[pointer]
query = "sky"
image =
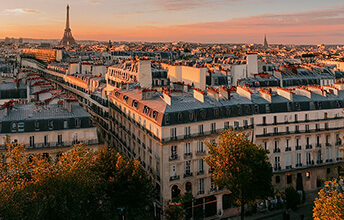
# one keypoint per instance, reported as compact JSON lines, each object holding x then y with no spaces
{"x":205,"y":21}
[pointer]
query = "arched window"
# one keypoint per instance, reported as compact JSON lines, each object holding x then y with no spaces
{"x":77,"y":122}
{"x":175,"y":191}
{"x":188,"y":187}
{"x":51,"y":125}
{"x":14,"y":127}
{"x":36,"y":125}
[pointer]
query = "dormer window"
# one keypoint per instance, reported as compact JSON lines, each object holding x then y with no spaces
{"x":146,"y":110}
{"x":155,"y":115}
{"x":167,"y":119}
{"x":14,"y":127}
{"x":77,"y":122}
{"x":125,"y":98}
{"x":135,"y":104}
{"x":180,"y":117}
{"x":36,"y":125}
{"x":51,"y":125}
{"x":21,"y":126}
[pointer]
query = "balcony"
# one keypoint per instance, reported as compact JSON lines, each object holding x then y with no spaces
{"x":173,"y":157}
{"x":200,"y":172}
{"x":318,"y":145}
{"x":188,"y":155}
{"x":288,"y":149}
{"x":319,"y":161}
{"x":298,"y":148}
{"x":328,"y":145}
{"x":339,"y":158}
{"x":277,"y":150}
{"x":339,"y":142}
{"x":329,"y":161}
{"x":277,"y":167}
{"x":176,"y":177}
{"x":59,"y":144}
{"x":298,"y":165}
{"x":188,"y":174}
{"x":309,"y":146}
{"x":200,"y":152}
{"x":310,"y":163}
{"x":289,"y":167}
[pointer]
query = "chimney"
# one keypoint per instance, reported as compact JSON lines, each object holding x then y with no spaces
{"x":303,"y":91}
{"x":317,"y":90}
{"x":225,"y":92}
{"x":265,"y":94}
{"x":199,"y":94}
{"x":148,"y":94}
{"x":286,"y":93}
{"x":245,"y":92}
{"x":167,"y":97}
{"x":213,"y":93}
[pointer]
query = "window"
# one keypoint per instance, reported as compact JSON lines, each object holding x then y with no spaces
{"x":298,"y":159}
{"x":275,"y":119}
{"x":51,"y":125}
{"x":278,"y":179}
{"x":307,"y":127}
{"x":59,"y":139}
{"x":213,"y":127}
{"x":287,"y":129}
{"x":173,"y":170}
{"x":32,"y":141}
{"x":226,"y":125}
{"x":45,"y":140}
{"x":295,"y":118}
{"x":174,"y":152}
{"x":306,"y":117}
{"x":173,"y":133}
{"x":317,"y":127}
{"x":289,"y":179}
{"x":326,"y":126}
{"x":77,"y":122}
{"x":265,"y":131}
{"x":20,"y":126}
{"x":36,"y":125}
{"x":187,"y":149}
{"x":188,"y":167}
{"x":65,"y":124}
{"x":277,"y":165}
{"x":200,"y":147}
{"x":236,"y":125}
{"x":308,"y":158}
{"x":325,"y":115}
{"x":200,"y":129}
{"x":187,"y":131}
{"x":14,"y":127}
{"x":264,"y":120}
{"x":296,"y":128}
{"x":265,"y":145}
{"x":275,"y":130}
{"x":201,"y":186}
{"x":200,"y":166}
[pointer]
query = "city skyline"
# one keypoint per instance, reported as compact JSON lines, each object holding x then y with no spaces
{"x":231,"y":21}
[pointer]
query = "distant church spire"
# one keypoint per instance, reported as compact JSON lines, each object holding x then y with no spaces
{"x":266,"y":45}
{"x":67,"y":38}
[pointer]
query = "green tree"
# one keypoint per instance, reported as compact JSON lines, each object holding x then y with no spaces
{"x":241,"y":167}
{"x":80,"y":184}
{"x":330,"y":204}
{"x":293,"y":198}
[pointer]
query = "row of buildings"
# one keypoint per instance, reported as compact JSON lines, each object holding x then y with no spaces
{"x":164,"y":116}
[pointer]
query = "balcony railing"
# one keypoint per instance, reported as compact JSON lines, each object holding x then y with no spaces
{"x":298,"y":165}
{"x":200,"y":192}
{"x":277,"y":167}
{"x":173,"y":157}
{"x":339,"y":142}
{"x":328,"y":145}
{"x":200,"y":172}
{"x":277,"y":150}
{"x":200,"y":152}
{"x":319,"y":161}
{"x":188,"y":174}
{"x":297,"y":147}
{"x":318,"y":145}
{"x":176,"y":177}
{"x":309,"y":146}
{"x":188,"y":155}
{"x":288,"y":149}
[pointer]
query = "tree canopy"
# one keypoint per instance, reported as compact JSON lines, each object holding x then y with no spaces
{"x":330,"y":204}
{"x":79,"y":184}
{"x":241,"y":167}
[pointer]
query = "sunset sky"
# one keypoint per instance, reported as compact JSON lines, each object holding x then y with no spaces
{"x":214,"y":21}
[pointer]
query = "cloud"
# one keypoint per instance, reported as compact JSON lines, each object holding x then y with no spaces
{"x":180,"y":5}
{"x":93,"y":1}
{"x":17,"y":11}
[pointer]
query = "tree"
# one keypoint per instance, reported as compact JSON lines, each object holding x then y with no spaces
{"x":79,"y":184}
{"x":330,"y":204}
{"x":241,"y":167}
{"x":293,"y":198}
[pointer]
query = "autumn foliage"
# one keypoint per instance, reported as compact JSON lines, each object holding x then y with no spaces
{"x":330,"y":204}
{"x":241,"y":167}
{"x":79,"y":184}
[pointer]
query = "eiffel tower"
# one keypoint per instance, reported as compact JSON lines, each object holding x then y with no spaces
{"x":68,"y":38}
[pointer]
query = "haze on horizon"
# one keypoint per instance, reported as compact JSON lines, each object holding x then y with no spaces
{"x":206,"y":21}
